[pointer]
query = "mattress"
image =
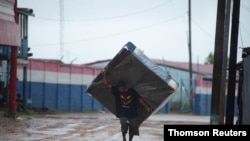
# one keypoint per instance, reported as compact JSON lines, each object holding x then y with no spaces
{"x":151,"y":82}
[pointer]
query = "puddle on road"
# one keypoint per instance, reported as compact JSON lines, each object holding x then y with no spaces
{"x":84,"y":127}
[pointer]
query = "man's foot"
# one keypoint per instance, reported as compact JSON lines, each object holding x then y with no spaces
{"x":131,"y":137}
{"x":124,"y":137}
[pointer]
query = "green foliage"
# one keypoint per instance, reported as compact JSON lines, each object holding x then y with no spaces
{"x":210,"y":59}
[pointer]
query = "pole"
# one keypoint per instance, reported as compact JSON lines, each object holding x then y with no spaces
{"x":220,"y":61}
{"x":25,"y":87}
{"x":13,"y":81}
{"x":232,"y":63}
{"x":190,"y":57}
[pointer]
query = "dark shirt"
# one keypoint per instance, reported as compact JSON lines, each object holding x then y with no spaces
{"x":126,"y":103}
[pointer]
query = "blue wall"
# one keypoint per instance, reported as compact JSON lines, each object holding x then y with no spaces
{"x":60,"y":97}
{"x":202,"y":104}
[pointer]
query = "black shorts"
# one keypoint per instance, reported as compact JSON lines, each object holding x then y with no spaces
{"x":129,"y":125}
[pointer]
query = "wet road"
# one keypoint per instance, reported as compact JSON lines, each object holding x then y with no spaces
{"x":86,"y":127}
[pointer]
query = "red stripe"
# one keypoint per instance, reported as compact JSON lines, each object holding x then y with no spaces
{"x":198,"y":81}
{"x":57,"y":66}
{"x":208,"y":83}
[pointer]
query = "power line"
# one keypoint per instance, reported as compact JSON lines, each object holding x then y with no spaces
{"x":201,"y":28}
{"x":114,"y":34}
{"x":107,"y":18}
{"x":241,"y":36}
{"x":245,"y":7}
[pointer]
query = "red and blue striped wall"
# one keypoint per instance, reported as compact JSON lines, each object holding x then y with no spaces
{"x":58,"y":86}
{"x":61,"y":87}
{"x":203,"y":94}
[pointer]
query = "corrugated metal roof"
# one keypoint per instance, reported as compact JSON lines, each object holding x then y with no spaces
{"x":6,"y":10}
{"x":197,"y":68}
{"x":205,"y":69}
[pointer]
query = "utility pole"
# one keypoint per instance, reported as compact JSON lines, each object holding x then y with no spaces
{"x":232,"y":63}
{"x":190,"y":57}
{"x":220,"y":62}
{"x":61,"y":28}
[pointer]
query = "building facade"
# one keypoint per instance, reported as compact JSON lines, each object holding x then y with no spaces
{"x":58,"y":86}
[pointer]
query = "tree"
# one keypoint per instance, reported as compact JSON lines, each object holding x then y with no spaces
{"x":210,"y":58}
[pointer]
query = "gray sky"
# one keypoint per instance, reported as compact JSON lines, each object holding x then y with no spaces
{"x":96,"y":29}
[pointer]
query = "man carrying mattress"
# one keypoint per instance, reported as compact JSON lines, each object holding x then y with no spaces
{"x":126,"y":100}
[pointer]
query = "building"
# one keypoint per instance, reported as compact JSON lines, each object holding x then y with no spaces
{"x":10,"y":41}
{"x":54,"y":85}
{"x":14,"y":50}
{"x":62,"y":87}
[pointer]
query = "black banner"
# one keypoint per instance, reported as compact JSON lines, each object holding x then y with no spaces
{"x":206,"y":131}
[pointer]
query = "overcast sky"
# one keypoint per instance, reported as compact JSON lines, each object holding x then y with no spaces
{"x":97,"y":29}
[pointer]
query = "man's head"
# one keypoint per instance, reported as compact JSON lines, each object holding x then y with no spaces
{"x":121,"y":85}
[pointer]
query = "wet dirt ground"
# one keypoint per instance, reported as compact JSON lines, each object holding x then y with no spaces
{"x":86,"y":127}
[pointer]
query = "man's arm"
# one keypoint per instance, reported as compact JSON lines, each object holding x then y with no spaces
{"x":145,"y":105}
{"x":105,"y":80}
